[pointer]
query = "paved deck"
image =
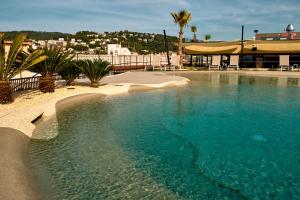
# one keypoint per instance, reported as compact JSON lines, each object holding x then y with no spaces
{"x":150,"y":79}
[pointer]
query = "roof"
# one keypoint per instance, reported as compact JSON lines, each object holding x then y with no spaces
{"x":9,"y":42}
{"x":250,"y":47}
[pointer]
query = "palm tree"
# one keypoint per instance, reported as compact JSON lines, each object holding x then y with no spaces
{"x":16,"y":61}
{"x":182,"y":18}
{"x":207,"y":37}
{"x":194,"y":30}
{"x":70,"y":72}
{"x":95,"y":70}
{"x":57,"y":60}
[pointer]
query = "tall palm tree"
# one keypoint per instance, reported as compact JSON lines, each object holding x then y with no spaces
{"x":95,"y":70}
{"x":207,"y":37}
{"x":182,"y":18}
{"x":16,"y":61}
{"x":194,"y":30}
{"x":57,"y":60}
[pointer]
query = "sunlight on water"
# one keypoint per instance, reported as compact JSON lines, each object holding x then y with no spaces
{"x":220,"y":137}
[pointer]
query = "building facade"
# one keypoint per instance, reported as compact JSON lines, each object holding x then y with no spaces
{"x":117,"y":49}
{"x":278,"y":36}
{"x":288,"y":34}
{"x":253,"y":53}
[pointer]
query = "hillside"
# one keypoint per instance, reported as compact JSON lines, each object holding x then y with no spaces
{"x":37,"y":35}
{"x":141,"y":43}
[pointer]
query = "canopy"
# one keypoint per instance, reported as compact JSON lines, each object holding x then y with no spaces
{"x":250,"y":47}
{"x":197,"y":49}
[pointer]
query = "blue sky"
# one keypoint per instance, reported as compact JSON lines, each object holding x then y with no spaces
{"x":220,"y":18}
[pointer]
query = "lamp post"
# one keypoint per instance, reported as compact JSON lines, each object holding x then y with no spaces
{"x":255,"y":33}
{"x":242,"y":46}
{"x":167,"y":47}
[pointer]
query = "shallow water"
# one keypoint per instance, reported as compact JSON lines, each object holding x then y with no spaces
{"x":220,"y":137}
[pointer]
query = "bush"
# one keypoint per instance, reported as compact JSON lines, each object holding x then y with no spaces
{"x":94,"y":70}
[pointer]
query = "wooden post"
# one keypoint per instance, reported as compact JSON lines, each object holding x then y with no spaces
{"x":136,"y":63}
{"x":167,"y":48}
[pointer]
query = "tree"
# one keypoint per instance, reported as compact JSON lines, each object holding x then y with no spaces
{"x":15,"y":62}
{"x":70,"y":72}
{"x":100,"y":51}
{"x":80,"y":48}
{"x":57,"y":60}
{"x":194,"y":30}
{"x":94,"y":70}
{"x":207,"y":37}
{"x":181,"y":18}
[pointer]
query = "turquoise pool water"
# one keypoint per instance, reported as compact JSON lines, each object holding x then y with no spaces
{"x":220,"y":137}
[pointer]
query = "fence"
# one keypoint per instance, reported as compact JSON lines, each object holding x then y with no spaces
{"x":24,"y":83}
{"x":124,"y":62}
{"x":27,"y":83}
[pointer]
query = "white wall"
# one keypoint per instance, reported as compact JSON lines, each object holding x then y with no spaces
{"x":116,"y":49}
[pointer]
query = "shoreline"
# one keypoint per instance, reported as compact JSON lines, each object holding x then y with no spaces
{"x":17,"y":180}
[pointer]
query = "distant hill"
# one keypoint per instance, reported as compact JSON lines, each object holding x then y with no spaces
{"x":38,"y":35}
{"x":141,"y":43}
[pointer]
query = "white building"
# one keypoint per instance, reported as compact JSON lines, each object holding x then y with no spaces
{"x":117,"y":49}
{"x":34,"y":46}
{"x":41,"y":42}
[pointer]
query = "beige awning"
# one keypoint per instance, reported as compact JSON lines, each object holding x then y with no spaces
{"x":250,"y":47}
{"x":197,"y":49}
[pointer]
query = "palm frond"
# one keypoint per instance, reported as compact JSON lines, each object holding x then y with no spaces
{"x":2,"y":56}
{"x":94,"y":70}
{"x":14,"y":50}
{"x":194,"y":29}
{"x":70,"y":72}
{"x":17,"y":60}
{"x":175,"y":17}
{"x":182,"y":18}
{"x":57,"y":60}
{"x":30,"y":60}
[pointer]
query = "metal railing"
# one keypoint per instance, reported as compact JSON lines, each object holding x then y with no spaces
{"x":24,"y":83}
{"x":124,"y":62}
{"x":28,"y":83}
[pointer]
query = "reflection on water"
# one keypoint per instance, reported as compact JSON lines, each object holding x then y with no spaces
{"x":217,"y":80}
{"x":223,"y":136}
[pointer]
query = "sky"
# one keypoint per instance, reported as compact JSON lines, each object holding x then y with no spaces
{"x":220,"y":18}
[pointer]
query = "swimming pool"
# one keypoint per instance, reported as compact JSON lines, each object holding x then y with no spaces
{"x":223,"y":136}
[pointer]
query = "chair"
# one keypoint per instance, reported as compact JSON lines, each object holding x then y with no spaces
{"x":156,"y":64}
{"x":296,"y":66}
{"x":234,"y":62}
{"x":284,"y":63}
{"x":216,"y":63}
{"x":175,"y":62}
